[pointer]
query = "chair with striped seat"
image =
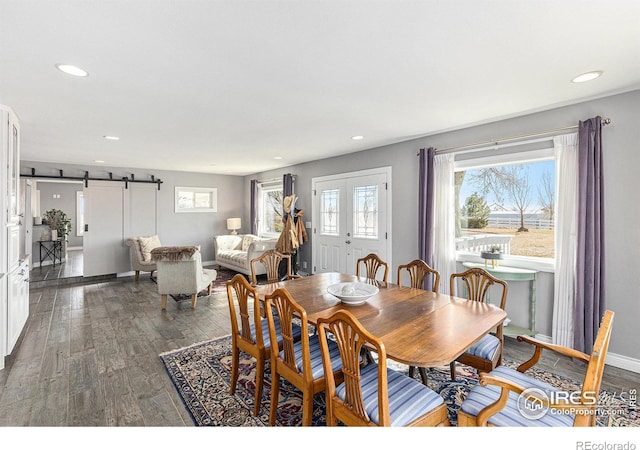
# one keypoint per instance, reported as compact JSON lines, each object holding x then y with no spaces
{"x":299,"y":362}
{"x":250,"y":332}
{"x":372,"y":395}
{"x":485,"y":354}
{"x":498,"y":399}
{"x":419,"y":276}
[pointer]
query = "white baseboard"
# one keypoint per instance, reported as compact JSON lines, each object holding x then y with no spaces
{"x":613,"y":359}
{"x":74,"y":248}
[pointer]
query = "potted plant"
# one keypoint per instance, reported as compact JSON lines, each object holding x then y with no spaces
{"x":58,"y":221}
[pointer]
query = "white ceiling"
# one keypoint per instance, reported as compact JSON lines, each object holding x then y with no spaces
{"x":226,"y":86}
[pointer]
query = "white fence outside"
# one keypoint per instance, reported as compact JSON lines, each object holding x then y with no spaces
{"x":512,"y":222}
{"x":477,"y":243}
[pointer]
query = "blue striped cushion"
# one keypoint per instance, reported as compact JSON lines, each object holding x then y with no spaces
{"x":408,"y":398}
{"x":297,"y":331}
{"x":486,"y":347}
{"x":510,"y":416}
{"x":317,"y":368}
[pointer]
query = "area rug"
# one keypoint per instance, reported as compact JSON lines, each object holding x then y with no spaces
{"x":219,"y":285}
{"x":201,"y":375}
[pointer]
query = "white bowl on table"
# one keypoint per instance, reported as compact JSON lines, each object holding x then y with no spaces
{"x":353,"y":293}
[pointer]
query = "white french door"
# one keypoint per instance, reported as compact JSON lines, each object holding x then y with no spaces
{"x":351,"y":218}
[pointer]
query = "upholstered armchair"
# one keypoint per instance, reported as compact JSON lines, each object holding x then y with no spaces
{"x":140,"y":253}
{"x":180,"y":272}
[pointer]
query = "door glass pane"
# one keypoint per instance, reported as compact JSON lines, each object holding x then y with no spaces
{"x":365,"y":212}
{"x":329,"y":212}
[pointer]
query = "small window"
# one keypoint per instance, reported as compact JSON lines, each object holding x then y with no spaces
{"x":507,"y":206}
{"x":365,"y":212}
{"x":79,"y":213}
{"x":196,"y":199}
{"x":270,"y":204}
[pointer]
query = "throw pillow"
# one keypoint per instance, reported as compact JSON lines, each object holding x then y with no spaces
{"x":246,"y":241}
{"x":147,"y":244}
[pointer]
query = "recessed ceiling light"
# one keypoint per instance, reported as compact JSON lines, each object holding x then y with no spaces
{"x":277,"y":157}
{"x":357,"y":138}
{"x":587,"y":76}
{"x":111,"y":138}
{"x":99,"y":161}
{"x":72,"y":70}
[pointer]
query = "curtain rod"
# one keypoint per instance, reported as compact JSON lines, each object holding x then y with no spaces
{"x":606,"y":121}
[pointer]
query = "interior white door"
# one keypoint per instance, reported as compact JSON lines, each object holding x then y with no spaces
{"x":352,"y":219}
{"x":103,"y":242}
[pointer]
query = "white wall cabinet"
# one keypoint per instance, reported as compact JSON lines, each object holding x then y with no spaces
{"x":14,"y":271}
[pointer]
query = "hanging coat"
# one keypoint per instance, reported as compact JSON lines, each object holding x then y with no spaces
{"x":288,"y":240}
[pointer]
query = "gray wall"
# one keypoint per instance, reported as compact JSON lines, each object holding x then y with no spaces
{"x":66,"y":202}
{"x":173,"y":228}
{"x":622,"y":183}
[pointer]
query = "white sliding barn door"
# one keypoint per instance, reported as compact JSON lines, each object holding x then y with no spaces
{"x":104,"y":249}
{"x":351,"y":218}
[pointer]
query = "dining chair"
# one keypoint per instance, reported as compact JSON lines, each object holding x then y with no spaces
{"x":250,"y":332}
{"x":418,"y":272}
{"x":299,"y":362}
{"x":485,"y":354}
{"x":373,"y":394}
{"x":372,"y":264}
{"x":495,"y":401}
{"x":271,"y":260}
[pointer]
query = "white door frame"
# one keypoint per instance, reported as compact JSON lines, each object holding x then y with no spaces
{"x":314,"y":213}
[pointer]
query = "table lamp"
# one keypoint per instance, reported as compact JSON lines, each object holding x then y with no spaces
{"x":234,"y":224}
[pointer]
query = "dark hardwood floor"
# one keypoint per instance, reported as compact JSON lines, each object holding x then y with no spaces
{"x":89,"y":356}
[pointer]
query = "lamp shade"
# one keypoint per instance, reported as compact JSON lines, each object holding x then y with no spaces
{"x":234,"y":223}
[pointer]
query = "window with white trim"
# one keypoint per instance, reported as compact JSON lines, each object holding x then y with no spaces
{"x":270,"y":198}
{"x":506,"y":204}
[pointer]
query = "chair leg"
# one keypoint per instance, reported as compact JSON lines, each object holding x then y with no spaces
{"x":163,"y":300}
{"x":194,"y":299}
{"x":235,"y":362}
{"x":275,"y":392}
{"x":259,"y":385}
{"x":307,"y":408}
{"x":137,"y":275}
{"x":210,"y":288}
{"x":452,"y":368}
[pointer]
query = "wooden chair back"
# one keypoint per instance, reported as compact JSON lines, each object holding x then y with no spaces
{"x":244,"y":317}
{"x":372,"y":264}
{"x":595,"y":369}
{"x":283,"y":363}
{"x":418,"y":273}
{"x":477,"y":283}
{"x":351,"y":338}
{"x":271,"y":260}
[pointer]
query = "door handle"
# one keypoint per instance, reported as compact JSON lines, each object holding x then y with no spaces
{"x":86,"y":227}
{"x":347,"y":242}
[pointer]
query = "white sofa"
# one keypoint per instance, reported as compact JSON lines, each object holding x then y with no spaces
{"x":235,"y":251}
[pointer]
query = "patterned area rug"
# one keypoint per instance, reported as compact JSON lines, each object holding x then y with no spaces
{"x":201,"y":374}
{"x":219,"y":285}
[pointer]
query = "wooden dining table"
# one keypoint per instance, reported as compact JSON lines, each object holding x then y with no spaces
{"x":418,"y":328}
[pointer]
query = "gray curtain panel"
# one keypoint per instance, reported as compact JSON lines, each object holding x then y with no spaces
{"x":590,"y":280}
{"x":287,"y":184}
{"x":426,"y":197}
{"x":254,"y":207}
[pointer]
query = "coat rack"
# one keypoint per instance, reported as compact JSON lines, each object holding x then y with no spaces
{"x":87,"y":178}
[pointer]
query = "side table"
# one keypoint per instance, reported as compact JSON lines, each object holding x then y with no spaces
{"x":53,"y":250}
{"x":515,"y":274}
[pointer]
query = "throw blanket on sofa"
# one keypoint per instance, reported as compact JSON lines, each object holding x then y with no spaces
{"x":173,"y":253}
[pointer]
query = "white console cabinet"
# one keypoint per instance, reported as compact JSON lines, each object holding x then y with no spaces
{"x":14,"y":271}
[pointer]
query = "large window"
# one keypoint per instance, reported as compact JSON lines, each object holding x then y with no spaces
{"x":270,"y":198}
{"x":506,"y":204}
